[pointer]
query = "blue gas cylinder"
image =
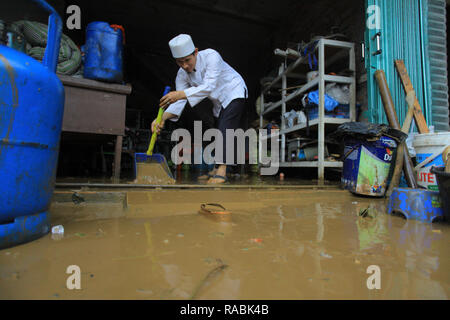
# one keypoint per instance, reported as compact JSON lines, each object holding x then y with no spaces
{"x":31,"y":112}
{"x":103,"y":58}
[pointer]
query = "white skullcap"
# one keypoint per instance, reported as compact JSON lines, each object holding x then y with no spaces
{"x":181,"y":46}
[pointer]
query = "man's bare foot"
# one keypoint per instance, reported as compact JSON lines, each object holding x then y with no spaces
{"x":220,"y":176}
{"x":216,"y":179}
{"x":208,"y":175}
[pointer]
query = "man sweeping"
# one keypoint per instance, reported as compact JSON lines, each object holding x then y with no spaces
{"x":204,"y":74}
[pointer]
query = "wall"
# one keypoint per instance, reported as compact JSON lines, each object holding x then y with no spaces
{"x":11,"y":11}
{"x":245,"y":32}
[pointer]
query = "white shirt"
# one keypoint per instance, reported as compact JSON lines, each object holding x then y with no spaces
{"x":213,"y":78}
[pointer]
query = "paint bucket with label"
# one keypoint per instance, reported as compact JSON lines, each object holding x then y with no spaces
{"x":367,"y":165}
{"x":429,"y":148}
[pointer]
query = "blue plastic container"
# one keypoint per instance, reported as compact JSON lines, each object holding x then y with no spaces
{"x":367,"y":166}
{"x":103,"y":59}
{"x":341,"y":112}
{"x":416,"y":204}
{"x":31,"y":112}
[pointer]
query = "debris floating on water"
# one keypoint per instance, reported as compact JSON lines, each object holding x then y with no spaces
{"x":209,"y":278}
{"x":323,"y":254}
{"x":58,"y":229}
{"x":77,"y":199}
{"x":57,"y":232}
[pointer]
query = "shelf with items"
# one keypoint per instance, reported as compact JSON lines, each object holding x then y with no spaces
{"x":329,"y":52}
{"x":312,"y":123}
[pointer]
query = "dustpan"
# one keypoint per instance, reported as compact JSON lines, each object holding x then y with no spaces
{"x":149,"y":157}
{"x":154,"y":158}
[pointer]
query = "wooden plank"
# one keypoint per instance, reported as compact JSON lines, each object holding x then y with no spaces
{"x":61,"y":185}
{"x":93,"y":111}
{"x":407,"y":85}
{"x":95,"y":85}
{"x":117,"y":158}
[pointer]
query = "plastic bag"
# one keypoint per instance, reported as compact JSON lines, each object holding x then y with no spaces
{"x":340,"y":93}
{"x":330,"y":103}
{"x":366,"y":130}
{"x":409,"y":143}
{"x":290,"y":117}
{"x":301,"y":117}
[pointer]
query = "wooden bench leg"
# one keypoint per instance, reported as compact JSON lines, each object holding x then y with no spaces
{"x":117,"y":158}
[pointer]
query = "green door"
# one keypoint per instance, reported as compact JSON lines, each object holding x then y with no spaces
{"x":399,"y":29}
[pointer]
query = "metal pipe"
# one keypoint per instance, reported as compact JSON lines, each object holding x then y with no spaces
{"x":279,"y":52}
{"x":293,"y":53}
{"x":288,"y":53}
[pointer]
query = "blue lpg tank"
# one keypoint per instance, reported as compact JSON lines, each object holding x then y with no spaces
{"x":31,"y":111}
{"x":103,"y":58}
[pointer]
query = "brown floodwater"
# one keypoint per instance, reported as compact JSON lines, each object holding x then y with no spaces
{"x":280,"y":244}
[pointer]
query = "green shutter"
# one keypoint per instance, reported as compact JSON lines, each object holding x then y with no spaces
{"x":411,"y":30}
{"x":435,"y":49}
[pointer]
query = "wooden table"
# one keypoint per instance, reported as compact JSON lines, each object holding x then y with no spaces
{"x":97,"y":108}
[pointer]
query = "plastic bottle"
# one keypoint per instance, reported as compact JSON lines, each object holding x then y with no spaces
{"x":58,"y":229}
{"x":301,"y":155}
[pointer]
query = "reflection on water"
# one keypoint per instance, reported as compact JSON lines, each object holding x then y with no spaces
{"x":191,"y":178}
{"x":280,"y":245}
{"x":372,"y":231}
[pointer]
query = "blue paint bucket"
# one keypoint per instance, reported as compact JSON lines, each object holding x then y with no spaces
{"x":103,"y":53}
{"x":367,"y":165}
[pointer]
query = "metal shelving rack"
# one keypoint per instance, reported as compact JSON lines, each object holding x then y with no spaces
{"x":322,"y":78}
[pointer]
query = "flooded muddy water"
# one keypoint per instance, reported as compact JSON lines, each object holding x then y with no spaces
{"x":280,"y":244}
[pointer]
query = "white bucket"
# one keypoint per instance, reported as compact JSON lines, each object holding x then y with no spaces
{"x":429,"y":148}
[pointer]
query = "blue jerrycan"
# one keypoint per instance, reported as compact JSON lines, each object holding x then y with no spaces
{"x":31,"y":113}
{"x":103,"y":58}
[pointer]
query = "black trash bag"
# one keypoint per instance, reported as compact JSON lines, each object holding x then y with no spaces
{"x":366,"y":130}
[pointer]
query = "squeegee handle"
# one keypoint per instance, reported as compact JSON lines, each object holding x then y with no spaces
{"x":158,"y":121}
